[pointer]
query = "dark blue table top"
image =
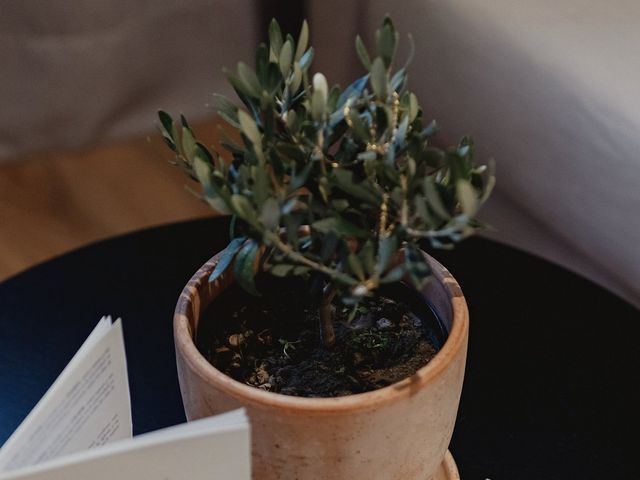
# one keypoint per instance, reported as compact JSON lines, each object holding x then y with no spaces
{"x":552,"y":386}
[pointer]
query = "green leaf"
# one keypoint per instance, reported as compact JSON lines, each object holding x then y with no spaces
{"x":368,"y":157}
{"x":366,"y":255}
{"x":166,"y":121}
{"x":273,"y":81}
{"x":243,"y":209}
{"x":202,"y":171}
{"x":230,"y":120}
{"x":289,"y":152}
{"x":411,"y":167}
{"x":168,"y":140}
{"x":430,"y":129}
{"x":184,"y":122}
{"x":214,"y":195}
{"x":379,"y":81}
{"x":464,"y":150}
{"x":303,"y":40}
{"x":275,"y":37}
{"x":270,"y":214}
{"x":467,"y":197}
{"x":226,"y":257}
{"x":320,"y":84}
{"x":261,"y":191}
{"x":490,"y":182}
{"x":353,"y":90}
{"x":434,"y":199}
{"x":291,"y":205}
{"x":296,"y":81}
{"x":387,"y":247}
{"x":398,"y":80}
{"x":168,"y":130}
{"x":386,"y":42}
{"x":346,"y":279}
{"x":359,"y":127}
{"x":262,"y":60}
{"x":319,"y":97}
{"x":417,"y":266}
{"x":219,"y":205}
{"x":300,"y":270}
{"x":318,"y":105}
{"x":433,"y":157}
{"x":249,"y":80}
{"x":328,"y":247}
{"x":292,"y":121}
{"x":324,"y":188}
{"x":249,"y":128}
{"x":356,"y":266}
{"x":340,"y":226}
{"x":343,"y":179}
{"x":334,"y":94}
{"x":281,"y":270}
{"x":238,"y":86}
{"x":243,"y":268}
{"x":188,"y":143}
{"x":299,"y":179}
{"x":235,"y":149}
{"x":340,"y":204}
{"x":421,"y":209}
{"x":395,"y":274}
{"x":285,"y":58}
{"x":285,"y":270}
{"x":401,"y":133}
{"x":226,"y":106}
{"x":306,"y":59}
{"x":363,"y":53}
{"x":413,"y":107}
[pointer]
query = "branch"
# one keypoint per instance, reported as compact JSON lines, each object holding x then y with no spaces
{"x":301,"y":259}
{"x":458,"y":229}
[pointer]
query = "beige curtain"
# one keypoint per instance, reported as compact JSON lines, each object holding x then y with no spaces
{"x":551,"y":90}
{"x":78,"y":72}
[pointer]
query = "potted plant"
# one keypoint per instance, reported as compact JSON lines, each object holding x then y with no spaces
{"x":330,"y":193}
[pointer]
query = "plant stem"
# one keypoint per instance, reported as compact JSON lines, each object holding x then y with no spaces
{"x":300,"y":258}
{"x":455,"y":229}
{"x":404,"y":210}
{"x":327,"y":332}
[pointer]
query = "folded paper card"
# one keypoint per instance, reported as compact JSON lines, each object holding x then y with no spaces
{"x":81,"y":429}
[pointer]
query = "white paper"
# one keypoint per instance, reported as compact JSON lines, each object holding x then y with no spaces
{"x":86,"y":407}
{"x":208,"y":449}
{"x":81,"y":429}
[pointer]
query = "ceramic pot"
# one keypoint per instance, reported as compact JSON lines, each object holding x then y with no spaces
{"x":397,"y":432}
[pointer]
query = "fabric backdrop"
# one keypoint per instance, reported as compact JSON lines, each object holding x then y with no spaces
{"x":77,"y":72}
{"x":551,"y":90}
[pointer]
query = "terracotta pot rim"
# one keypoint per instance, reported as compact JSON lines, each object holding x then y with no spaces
{"x":304,"y":405}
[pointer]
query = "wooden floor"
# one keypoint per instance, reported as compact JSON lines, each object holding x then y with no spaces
{"x":57,"y":201}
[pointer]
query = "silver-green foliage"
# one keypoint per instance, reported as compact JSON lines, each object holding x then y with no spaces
{"x":354,"y":166}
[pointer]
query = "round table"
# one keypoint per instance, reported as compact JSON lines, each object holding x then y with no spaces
{"x":552,"y":387}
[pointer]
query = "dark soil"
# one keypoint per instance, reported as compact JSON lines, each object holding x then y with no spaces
{"x":273,"y":343}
